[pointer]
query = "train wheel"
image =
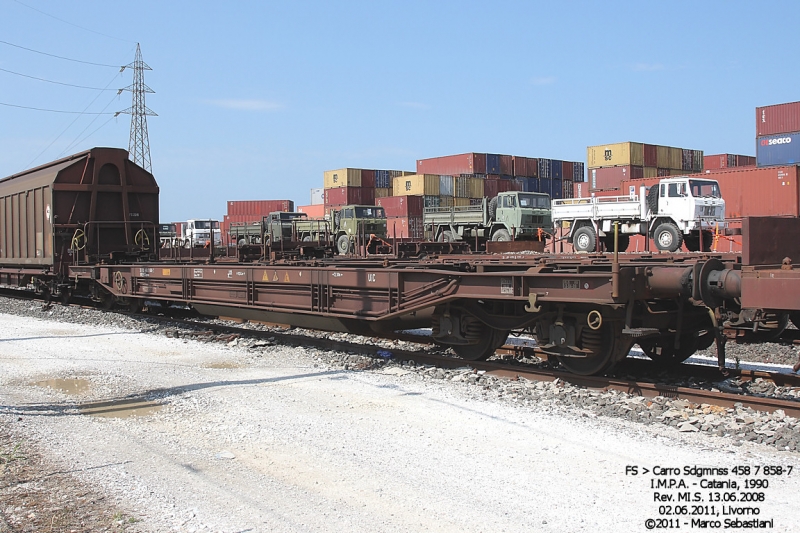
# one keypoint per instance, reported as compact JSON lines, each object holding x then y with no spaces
{"x":795,"y":316}
{"x":606,"y":346}
{"x":662,"y":351}
{"x":771,"y":328}
{"x":490,"y":341}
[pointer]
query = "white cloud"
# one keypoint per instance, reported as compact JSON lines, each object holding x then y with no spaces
{"x":414,"y":105}
{"x":647,"y":67}
{"x":546,"y":80}
{"x":246,"y":105}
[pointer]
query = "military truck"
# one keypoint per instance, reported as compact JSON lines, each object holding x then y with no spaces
{"x":676,"y":210}
{"x":356,"y":224}
{"x":509,"y":215}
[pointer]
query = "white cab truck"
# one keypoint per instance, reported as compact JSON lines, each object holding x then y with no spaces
{"x":197,"y":233}
{"x":674,"y":211}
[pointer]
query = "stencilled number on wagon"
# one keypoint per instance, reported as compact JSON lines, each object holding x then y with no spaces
{"x":198,"y":272}
{"x":571,"y":284}
{"x":507,"y":286}
{"x":371,"y":278}
{"x":145,"y":272}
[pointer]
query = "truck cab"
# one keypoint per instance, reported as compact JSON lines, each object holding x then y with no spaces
{"x":350,"y":221}
{"x":279,"y":226}
{"x":167,"y":233}
{"x":197,"y":233}
{"x":520,"y":214}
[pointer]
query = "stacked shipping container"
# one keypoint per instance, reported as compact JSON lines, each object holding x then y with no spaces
{"x":778,"y":134}
{"x":247,"y":211}
{"x":721,"y":161}
{"x":611,"y":164}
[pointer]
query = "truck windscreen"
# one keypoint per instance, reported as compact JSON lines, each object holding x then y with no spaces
{"x":369,"y":212}
{"x":534,"y":201}
{"x":205,"y":224}
{"x":704,"y":189}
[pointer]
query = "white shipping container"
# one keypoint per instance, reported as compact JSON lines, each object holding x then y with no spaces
{"x":317,"y":196}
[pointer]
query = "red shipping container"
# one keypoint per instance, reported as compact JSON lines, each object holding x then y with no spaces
{"x":650,"y":155}
{"x":506,"y":165}
{"x":405,"y":228}
{"x":520,"y":166}
{"x":258,"y":207}
{"x":566,"y":170}
{"x":780,"y":118}
{"x":402,"y":206}
{"x":533,"y":167}
{"x":471,"y":163}
{"x":491,"y":187}
{"x":751,"y":191}
{"x":611,"y":177}
{"x":367,"y":179}
{"x":313,"y":211}
{"x":344,"y":196}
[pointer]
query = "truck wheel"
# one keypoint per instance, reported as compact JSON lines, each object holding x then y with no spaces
{"x":584,"y":239}
{"x":652,"y":199}
{"x":343,"y":244}
{"x":692,"y":242}
{"x":501,"y":235}
{"x":668,"y":238}
{"x":447,"y":236}
{"x":307,"y":238}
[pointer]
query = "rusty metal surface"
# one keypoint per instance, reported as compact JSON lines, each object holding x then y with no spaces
{"x":499,"y":247}
{"x":771,"y":288}
{"x":768,"y":240}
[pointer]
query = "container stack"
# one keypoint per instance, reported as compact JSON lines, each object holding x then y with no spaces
{"x":502,"y":173}
{"x":722,"y":161}
{"x":349,"y":186}
{"x":611,"y":164}
{"x":249,"y":211}
{"x":778,"y":135}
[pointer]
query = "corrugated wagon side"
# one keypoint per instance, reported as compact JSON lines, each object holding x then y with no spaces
{"x":94,"y":206}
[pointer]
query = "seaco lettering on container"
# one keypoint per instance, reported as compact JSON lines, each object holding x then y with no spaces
{"x":782,"y":149}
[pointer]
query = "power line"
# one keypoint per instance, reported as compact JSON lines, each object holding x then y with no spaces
{"x":76,"y":142}
{"x":70,"y":125}
{"x":71,"y":24}
{"x":62,"y":57}
{"x":56,"y":110}
{"x":95,"y":131}
{"x":56,"y":82}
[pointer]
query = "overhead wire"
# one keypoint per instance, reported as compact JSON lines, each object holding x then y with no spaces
{"x":56,"y":110}
{"x":70,"y":124}
{"x":53,"y":81}
{"x":121,"y":67}
{"x":97,"y":115}
{"x":72,"y":24}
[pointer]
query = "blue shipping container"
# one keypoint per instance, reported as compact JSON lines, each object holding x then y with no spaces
{"x":546,"y":185}
{"x":783,"y":149}
{"x":556,"y":169}
{"x":492,"y":163}
{"x":556,"y":190}
{"x":578,"y":172}
{"x":545,"y":168}
{"x":530,"y":184}
{"x":383,"y":179}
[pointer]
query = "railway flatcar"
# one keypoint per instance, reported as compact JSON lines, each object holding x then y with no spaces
{"x":92,"y":207}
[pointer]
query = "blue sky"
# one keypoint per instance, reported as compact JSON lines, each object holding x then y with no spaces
{"x":256,"y":99}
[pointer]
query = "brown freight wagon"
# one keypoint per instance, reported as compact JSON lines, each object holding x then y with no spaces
{"x":89,"y":207}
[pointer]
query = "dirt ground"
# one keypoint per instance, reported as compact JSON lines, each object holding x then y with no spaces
{"x":35,"y":496}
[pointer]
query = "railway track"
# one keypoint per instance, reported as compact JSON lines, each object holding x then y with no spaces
{"x":705,"y":392}
{"x":647,"y":388}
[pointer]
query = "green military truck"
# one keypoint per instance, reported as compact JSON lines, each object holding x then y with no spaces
{"x":356,"y":224}
{"x":509,"y":215}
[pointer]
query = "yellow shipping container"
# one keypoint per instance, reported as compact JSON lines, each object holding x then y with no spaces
{"x":416,"y":184}
{"x":446,"y":201}
{"x":343,"y":177}
{"x":460,"y":202}
{"x":612,"y":155}
{"x":476,"y":186}
{"x":675,"y":158}
{"x":650,"y":172}
{"x":382,"y":192}
{"x":677,"y":172}
{"x":662,"y":156}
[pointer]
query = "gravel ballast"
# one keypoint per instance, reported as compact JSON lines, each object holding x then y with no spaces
{"x":244,"y":434}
